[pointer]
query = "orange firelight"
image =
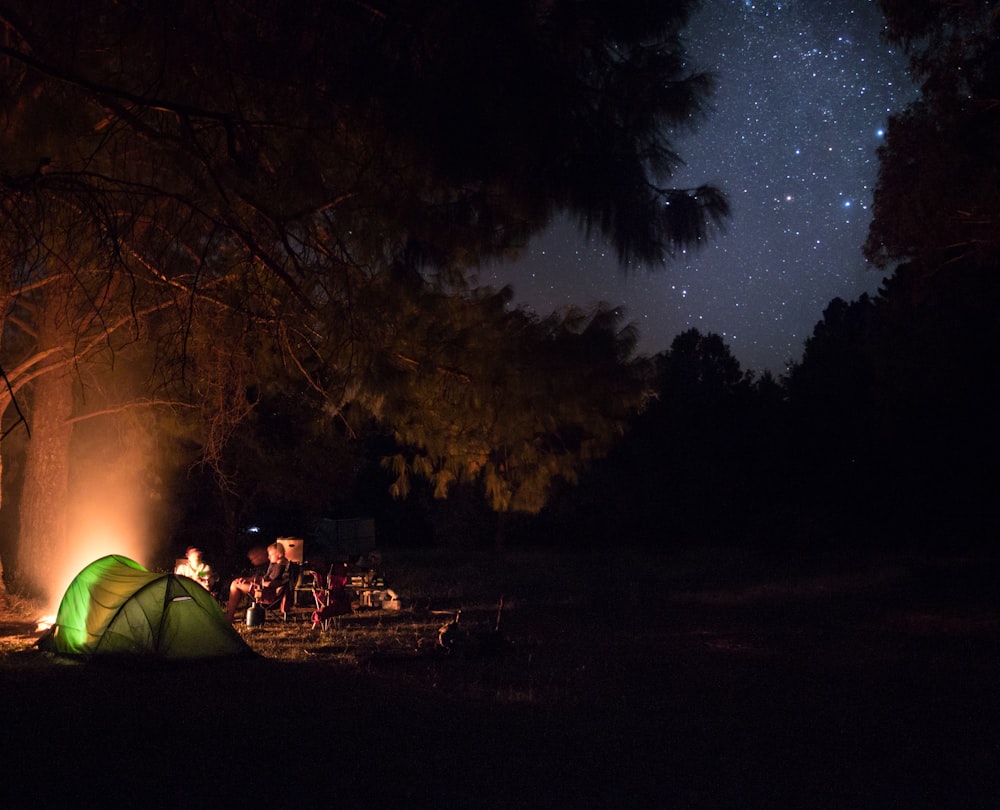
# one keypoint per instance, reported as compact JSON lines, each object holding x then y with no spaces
{"x":90,"y":539}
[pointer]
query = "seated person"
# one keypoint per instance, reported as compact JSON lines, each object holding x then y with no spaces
{"x":273,"y":579}
{"x":258,"y":559}
{"x":196,"y":568}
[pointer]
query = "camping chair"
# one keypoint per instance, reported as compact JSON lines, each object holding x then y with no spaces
{"x":283,"y":597}
{"x":304,"y":584}
{"x":331,"y":596}
{"x":299,"y":575}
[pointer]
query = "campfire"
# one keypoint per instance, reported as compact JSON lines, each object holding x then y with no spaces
{"x":93,"y":537}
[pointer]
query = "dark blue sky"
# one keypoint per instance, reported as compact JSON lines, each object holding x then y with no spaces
{"x":805,"y":87}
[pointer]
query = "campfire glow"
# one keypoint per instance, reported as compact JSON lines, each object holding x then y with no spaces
{"x":114,"y":503}
{"x":101,"y":530}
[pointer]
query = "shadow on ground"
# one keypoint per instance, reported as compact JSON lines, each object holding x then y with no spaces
{"x":750,"y":685}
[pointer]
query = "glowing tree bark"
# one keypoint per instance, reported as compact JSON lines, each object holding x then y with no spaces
{"x":47,"y":462}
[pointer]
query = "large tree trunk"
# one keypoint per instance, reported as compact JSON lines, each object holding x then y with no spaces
{"x":11,"y":483}
{"x":46,"y":482}
{"x":46,"y":465}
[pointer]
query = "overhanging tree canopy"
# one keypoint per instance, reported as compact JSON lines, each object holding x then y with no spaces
{"x":255,"y":169}
{"x":938,"y":194}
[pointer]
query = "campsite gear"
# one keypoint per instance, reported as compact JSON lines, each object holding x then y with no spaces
{"x":279,"y":597}
{"x":255,"y":614}
{"x":449,"y":633}
{"x":331,"y":596}
{"x":379,"y":598}
{"x":114,"y":606}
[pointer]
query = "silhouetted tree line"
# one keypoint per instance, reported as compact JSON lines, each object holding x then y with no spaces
{"x":884,"y":435}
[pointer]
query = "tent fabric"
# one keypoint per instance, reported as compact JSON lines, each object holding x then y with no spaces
{"x":114,"y":606}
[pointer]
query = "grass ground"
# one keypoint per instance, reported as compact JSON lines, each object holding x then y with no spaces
{"x":711,"y":679}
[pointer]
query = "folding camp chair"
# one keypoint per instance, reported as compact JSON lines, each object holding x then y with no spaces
{"x":283,"y":597}
{"x":331,"y":596}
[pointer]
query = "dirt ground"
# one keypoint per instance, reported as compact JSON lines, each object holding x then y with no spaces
{"x":719,"y":681}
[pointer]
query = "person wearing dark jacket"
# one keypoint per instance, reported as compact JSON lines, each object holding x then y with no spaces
{"x":268,"y":585}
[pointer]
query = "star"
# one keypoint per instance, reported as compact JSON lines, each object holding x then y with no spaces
{"x":781,"y":142}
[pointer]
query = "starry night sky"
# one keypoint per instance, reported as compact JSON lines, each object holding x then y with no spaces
{"x":804,"y":90}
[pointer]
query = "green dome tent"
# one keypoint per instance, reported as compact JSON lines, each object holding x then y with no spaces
{"x":114,"y":606}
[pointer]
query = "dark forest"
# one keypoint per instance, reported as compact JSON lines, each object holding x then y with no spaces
{"x":241,"y":275}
